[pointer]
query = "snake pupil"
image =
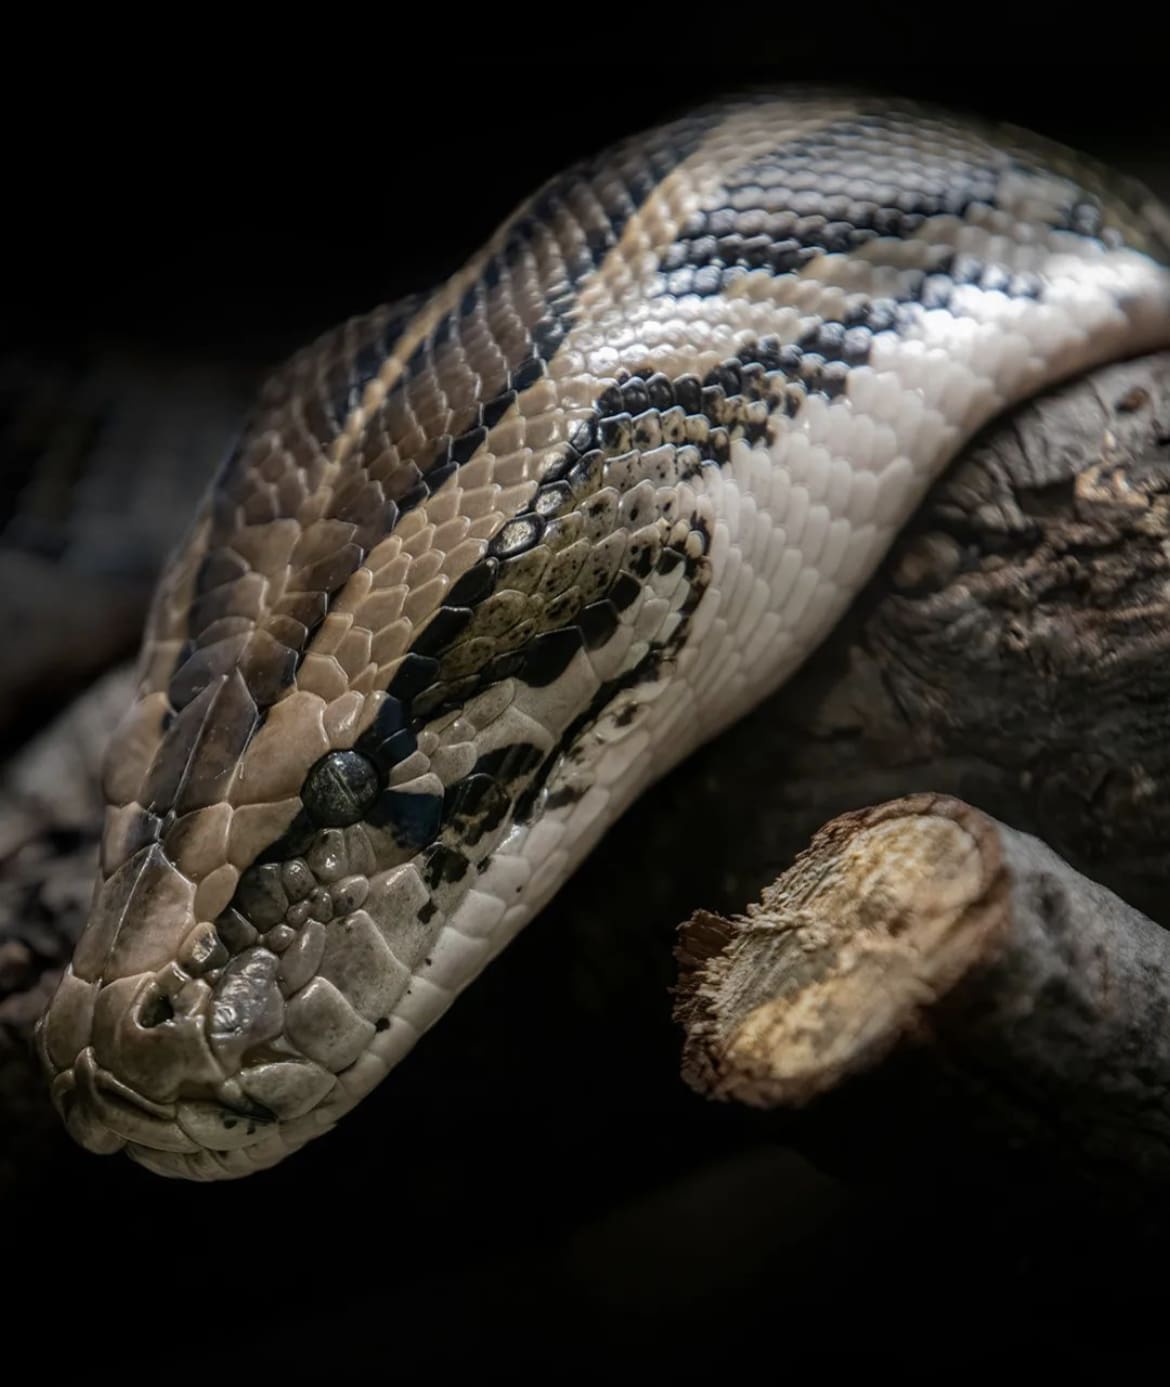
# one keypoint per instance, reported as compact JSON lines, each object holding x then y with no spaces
{"x":339,"y":789}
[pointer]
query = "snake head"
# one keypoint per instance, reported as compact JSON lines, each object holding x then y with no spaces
{"x":382,"y":711}
{"x":210,"y":1047}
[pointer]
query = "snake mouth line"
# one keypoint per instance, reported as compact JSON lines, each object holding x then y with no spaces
{"x":105,"y":1115}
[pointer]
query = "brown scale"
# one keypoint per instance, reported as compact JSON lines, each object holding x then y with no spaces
{"x":296,"y":470}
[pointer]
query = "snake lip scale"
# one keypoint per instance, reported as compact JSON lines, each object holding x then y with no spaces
{"x":488,"y":562}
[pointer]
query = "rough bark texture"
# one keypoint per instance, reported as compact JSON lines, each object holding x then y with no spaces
{"x":1035,"y":1000}
{"x":1013,"y":652}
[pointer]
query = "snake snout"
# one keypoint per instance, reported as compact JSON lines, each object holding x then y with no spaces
{"x":189,"y":1076}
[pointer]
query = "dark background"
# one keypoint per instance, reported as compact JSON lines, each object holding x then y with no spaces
{"x":236,"y":207}
{"x":535,"y":1185}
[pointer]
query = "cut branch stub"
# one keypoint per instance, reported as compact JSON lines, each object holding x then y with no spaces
{"x":845,"y":954}
{"x":925,"y":927}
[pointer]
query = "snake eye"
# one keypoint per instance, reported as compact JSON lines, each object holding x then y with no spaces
{"x":339,"y":789}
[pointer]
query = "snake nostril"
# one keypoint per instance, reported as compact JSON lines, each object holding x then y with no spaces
{"x":155,"y":1011}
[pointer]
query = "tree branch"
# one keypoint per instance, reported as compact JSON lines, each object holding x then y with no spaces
{"x":923,"y":927}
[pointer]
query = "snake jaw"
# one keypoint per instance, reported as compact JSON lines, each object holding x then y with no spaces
{"x":176,"y":1079}
{"x":200,"y":1138}
{"x":167,"y":1065}
{"x":260,"y":1031}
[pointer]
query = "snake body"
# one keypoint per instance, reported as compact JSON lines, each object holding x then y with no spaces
{"x":487,"y":563}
